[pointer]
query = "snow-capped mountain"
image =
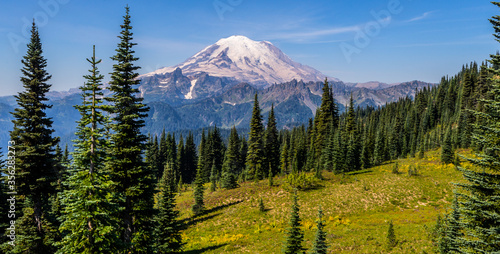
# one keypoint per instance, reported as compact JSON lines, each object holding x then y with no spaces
{"x":244,"y":60}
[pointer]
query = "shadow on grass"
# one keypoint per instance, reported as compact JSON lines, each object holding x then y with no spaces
{"x":218,"y":208}
{"x":204,"y":249}
{"x":204,"y":216}
{"x":197,"y":219}
{"x":360,"y":172}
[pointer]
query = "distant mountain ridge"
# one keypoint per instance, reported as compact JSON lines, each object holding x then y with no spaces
{"x":295,"y":102}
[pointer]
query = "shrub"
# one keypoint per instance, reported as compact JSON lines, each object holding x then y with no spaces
{"x":395,"y":169}
{"x":412,"y":171}
{"x":301,"y":181}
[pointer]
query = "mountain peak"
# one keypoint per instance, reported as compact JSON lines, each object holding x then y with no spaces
{"x":256,"y":62}
{"x":235,"y":39}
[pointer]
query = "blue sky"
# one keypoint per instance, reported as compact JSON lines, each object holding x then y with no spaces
{"x":355,"y":41}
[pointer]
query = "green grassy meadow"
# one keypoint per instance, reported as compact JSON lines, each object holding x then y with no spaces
{"x":357,"y":209}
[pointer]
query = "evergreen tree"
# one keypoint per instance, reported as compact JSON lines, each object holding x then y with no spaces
{"x":270,"y":177}
{"x":262,"y":208}
{"x":327,"y":156}
{"x":62,"y":175}
{"x":325,"y":119}
{"x":203,"y":162}
{"x":243,"y":154}
{"x":190,"y":159}
{"x":310,"y":145}
{"x":172,"y":154}
{"x":163,"y":154}
{"x":217,"y":149}
{"x":352,"y":158}
{"x":421,"y":149}
{"x":478,"y":198}
{"x":379,"y":153}
{"x":127,"y":169}
{"x":153,"y":156}
{"x":295,"y":236}
{"x":199,"y":205}
{"x":35,"y":157}
{"x":89,"y":206}
{"x":167,"y":235}
{"x":230,"y":167}
{"x":366,"y":151}
{"x":272,"y":144}
{"x":350,"y":121}
{"x":284,"y":162}
{"x":450,"y":231}
{"x":229,"y":179}
{"x":213,"y":178}
{"x":467,"y":91}
{"x":255,"y":154}
{"x":352,"y":154}
{"x":338,"y":153}
{"x":180,"y":160}
{"x":320,"y":246}
{"x":447,"y":155}
{"x":391,"y":236}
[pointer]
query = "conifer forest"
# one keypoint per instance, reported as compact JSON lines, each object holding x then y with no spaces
{"x":420,"y":174}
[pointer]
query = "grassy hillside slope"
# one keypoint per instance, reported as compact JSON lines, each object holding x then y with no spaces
{"x":357,"y":210}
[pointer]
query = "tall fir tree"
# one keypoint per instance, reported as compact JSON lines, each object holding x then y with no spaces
{"x":366,"y":151}
{"x":255,"y":155}
{"x":327,"y":156}
{"x":230,"y":167}
{"x":272,"y":148}
{"x":319,"y":245}
{"x":167,"y":232}
{"x":213,"y":178}
{"x":352,"y":159}
{"x":479,"y":208}
{"x":172,"y":154}
{"x":243,"y":154}
{"x":152,"y":157}
{"x":90,"y":208}
{"x":190,"y":159}
{"x":447,"y":155}
{"x":325,"y":120}
{"x":450,"y":231}
{"x":284,"y":156}
{"x":350,"y":122}
{"x":295,"y":235}
{"x":180,"y":160}
{"x":199,"y":189}
{"x":339,"y":153}
{"x":163,"y":154}
{"x":35,"y":157}
{"x":202,"y":166}
{"x":127,"y":168}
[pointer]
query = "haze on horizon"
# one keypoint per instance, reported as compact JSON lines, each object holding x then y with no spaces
{"x":357,"y":41}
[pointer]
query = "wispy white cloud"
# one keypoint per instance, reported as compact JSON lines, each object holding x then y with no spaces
{"x":312,"y":36}
{"x":479,"y":40}
{"x":423,"y":16}
{"x":309,"y":35}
